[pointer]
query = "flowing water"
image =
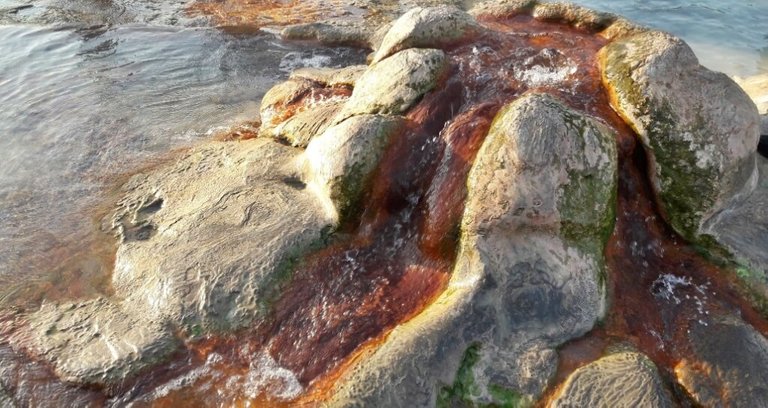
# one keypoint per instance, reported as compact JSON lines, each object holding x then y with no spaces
{"x":92,"y":91}
{"x":81,"y":106}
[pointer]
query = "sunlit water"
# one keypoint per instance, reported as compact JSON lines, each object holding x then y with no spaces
{"x":83,"y":106}
{"x":730,"y":36}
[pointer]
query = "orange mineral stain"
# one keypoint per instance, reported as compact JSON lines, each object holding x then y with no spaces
{"x":395,"y":257}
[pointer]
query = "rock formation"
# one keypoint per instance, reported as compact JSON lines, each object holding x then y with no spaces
{"x":440,"y":226}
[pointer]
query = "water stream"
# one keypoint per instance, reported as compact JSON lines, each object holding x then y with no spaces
{"x":91,"y":93}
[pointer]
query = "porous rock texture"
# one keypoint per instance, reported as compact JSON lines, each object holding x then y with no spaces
{"x":207,"y":241}
{"x":393,"y":85}
{"x":204,"y":243}
{"x":521,"y":285}
{"x":620,"y":380}
{"x":342,"y":160}
{"x":98,"y":342}
{"x":699,"y":129}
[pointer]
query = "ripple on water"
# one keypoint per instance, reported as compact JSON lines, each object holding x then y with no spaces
{"x":81,"y":107}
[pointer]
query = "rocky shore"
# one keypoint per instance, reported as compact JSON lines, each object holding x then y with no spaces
{"x":448,"y":225}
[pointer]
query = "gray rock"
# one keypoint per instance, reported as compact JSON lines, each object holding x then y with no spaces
{"x":573,"y":15}
{"x":502,"y":8}
{"x":697,"y":126}
{"x":330,"y":33}
{"x":341,"y":161}
{"x":743,"y":231}
{"x":757,"y":88}
{"x":619,"y":380}
{"x":732,"y":366}
{"x":347,"y":76}
{"x":97,"y":341}
{"x":395,"y":84}
{"x":206,"y":240}
{"x":522,"y":284}
{"x":427,"y":28}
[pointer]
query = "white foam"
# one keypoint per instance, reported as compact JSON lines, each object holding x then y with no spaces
{"x":295,"y":60}
{"x":265,"y":375}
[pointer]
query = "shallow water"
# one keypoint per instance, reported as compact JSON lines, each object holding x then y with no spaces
{"x":94,"y":90}
{"x":83,"y":106}
{"x":727,"y":36}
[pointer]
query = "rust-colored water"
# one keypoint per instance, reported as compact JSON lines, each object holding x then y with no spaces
{"x":396,"y":256}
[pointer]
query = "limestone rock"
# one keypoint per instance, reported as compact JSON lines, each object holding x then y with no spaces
{"x":97,"y":341}
{"x":427,"y":28}
{"x":732,"y":366}
{"x":757,"y":89}
{"x":619,"y":380}
{"x":698,"y":127}
{"x":341,"y":161}
{"x":219,"y":230}
{"x":743,"y":230}
{"x":300,"y":128}
{"x":573,"y":15}
{"x":329,"y":33}
{"x":522,"y":285}
{"x":395,"y":84}
{"x":502,"y":8}
{"x":282,"y":94}
{"x":300,"y":108}
{"x":331,"y":76}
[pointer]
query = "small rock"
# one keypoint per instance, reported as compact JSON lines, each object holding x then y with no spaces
{"x":502,"y":8}
{"x":427,"y":28}
{"x":573,"y":15}
{"x":698,"y":127}
{"x":395,"y":84}
{"x":731,"y":368}
{"x":619,"y":380}
{"x":341,"y":161}
{"x":300,"y":128}
{"x":329,"y":33}
{"x":347,"y":76}
{"x":98,"y":341}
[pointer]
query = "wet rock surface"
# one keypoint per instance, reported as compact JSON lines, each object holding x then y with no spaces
{"x":625,"y":379}
{"x":730,"y":366}
{"x":520,"y":286}
{"x":699,"y":128}
{"x":442,"y":227}
{"x":97,"y":342}
{"x":395,"y":84}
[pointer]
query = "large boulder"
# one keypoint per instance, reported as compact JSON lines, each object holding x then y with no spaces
{"x":206,"y":240}
{"x":341,"y":161}
{"x":698,"y":127}
{"x":620,"y":380}
{"x":395,"y":84}
{"x":729,"y":367}
{"x":525,"y":281}
{"x":427,"y":28}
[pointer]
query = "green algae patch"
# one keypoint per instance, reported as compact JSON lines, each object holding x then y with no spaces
{"x":466,"y":392}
